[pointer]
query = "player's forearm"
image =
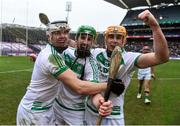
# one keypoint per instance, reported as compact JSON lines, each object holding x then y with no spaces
{"x":95,"y":100}
{"x":90,"y":88}
{"x":70,"y":79}
{"x":85,"y":87}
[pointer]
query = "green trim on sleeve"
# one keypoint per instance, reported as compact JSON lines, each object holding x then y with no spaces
{"x":71,"y":109}
{"x":61,"y":70}
{"x":36,"y":106}
{"x":94,"y":81}
{"x":57,"y":57}
{"x":57,"y":60}
{"x":44,"y":108}
{"x":136,"y":60}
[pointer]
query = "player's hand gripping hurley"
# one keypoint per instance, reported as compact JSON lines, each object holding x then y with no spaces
{"x":113,"y":70}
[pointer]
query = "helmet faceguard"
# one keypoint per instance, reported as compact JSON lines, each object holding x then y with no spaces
{"x":85,"y":32}
{"x":116,"y":29}
{"x":86,"y":29}
{"x":61,"y":26}
{"x":57,"y":26}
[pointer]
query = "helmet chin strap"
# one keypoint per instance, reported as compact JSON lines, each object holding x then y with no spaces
{"x":60,"y":50}
{"x":108,"y":53}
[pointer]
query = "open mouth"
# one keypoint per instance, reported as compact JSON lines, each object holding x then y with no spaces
{"x":61,"y":40}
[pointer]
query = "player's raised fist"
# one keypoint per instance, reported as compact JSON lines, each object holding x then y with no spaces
{"x":148,"y":18}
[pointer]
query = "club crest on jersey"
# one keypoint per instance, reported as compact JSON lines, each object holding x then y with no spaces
{"x":106,"y":63}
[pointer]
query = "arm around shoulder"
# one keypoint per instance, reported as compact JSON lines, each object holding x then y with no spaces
{"x":69,"y":78}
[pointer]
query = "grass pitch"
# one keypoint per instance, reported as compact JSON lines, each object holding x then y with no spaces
{"x":15,"y":74}
{"x":165,"y":97}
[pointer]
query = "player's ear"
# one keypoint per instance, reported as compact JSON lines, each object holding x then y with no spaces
{"x":49,"y":37}
{"x":124,"y":41}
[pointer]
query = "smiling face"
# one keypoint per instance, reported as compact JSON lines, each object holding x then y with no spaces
{"x":59,"y":38}
{"x":113,"y":40}
{"x":85,"y":41}
{"x":115,"y":36}
{"x":58,"y":33}
{"x":85,"y":37}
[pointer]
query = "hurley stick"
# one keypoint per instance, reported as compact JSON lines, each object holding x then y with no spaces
{"x":44,"y":19}
{"x":113,"y":70}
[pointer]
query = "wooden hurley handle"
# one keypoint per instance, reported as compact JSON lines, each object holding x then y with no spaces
{"x":113,"y":70}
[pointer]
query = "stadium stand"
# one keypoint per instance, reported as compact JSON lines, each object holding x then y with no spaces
{"x":14,"y":39}
{"x":12,"y":49}
{"x":140,"y":35}
{"x":166,"y":11}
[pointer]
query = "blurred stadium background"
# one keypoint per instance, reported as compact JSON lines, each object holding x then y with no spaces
{"x":15,"y":41}
{"x":15,"y":72}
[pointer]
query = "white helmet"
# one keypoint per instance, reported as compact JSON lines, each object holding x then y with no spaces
{"x":57,"y":26}
{"x":53,"y":26}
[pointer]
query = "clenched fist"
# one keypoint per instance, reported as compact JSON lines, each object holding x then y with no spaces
{"x":105,"y":108}
{"x":148,"y":18}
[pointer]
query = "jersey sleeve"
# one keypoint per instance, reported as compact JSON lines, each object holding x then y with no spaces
{"x":130,"y":60}
{"x":54,"y":64}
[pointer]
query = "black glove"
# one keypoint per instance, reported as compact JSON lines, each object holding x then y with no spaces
{"x":117,"y":87}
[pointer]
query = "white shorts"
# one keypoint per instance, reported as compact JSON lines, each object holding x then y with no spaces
{"x":67,"y":117}
{"x":91,"y":120}
{"x":25,"y":117}
{"x":144,"y":76}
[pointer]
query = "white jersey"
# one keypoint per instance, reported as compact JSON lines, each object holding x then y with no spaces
{"x":42,"y":89}
{"x":86,"y":69}
{"x":128,"y":61}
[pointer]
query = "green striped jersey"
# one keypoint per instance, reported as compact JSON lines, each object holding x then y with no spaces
{"x":42,"y":89}
{"x":127,"y":62}
{"x":67,"y":99}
